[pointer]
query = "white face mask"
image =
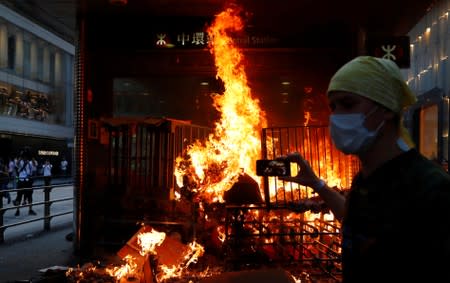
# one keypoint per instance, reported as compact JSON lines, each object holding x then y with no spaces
{"x":349,"y":134}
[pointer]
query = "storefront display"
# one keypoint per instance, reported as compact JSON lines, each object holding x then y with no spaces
{"x":24,"y":103}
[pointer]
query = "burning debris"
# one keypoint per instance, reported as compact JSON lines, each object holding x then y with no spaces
{"x":149,"y":256}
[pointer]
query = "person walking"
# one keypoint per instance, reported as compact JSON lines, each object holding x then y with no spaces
{"x":4,"y":181}
{"x":24,"y":183}
{"x":34,"y":169}
{"x":47,"y":172}
{"x":12,"y":171}
{"x":28,"y":192}
{"x":63,"y":166}
{"x":396,"y":215}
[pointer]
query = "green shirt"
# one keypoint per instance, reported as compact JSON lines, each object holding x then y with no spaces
{"x":397,"y":223}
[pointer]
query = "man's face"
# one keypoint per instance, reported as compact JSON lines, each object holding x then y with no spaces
{"x":350,"y":103}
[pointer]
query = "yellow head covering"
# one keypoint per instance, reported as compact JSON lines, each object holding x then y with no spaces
{"x":379,"y":80}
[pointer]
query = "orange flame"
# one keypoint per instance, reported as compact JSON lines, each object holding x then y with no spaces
{"x":194,"y":252}
{"x":148,"y":241}
{"x":235,"y":143}
{"x":130,"y":268}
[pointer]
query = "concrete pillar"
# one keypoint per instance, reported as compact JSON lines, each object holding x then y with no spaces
{"x":58,"y":69}
{"x":33,"y":60}
{"x":18,"y":60}
{"x":3,"y":46}
{"x":46,"y":65}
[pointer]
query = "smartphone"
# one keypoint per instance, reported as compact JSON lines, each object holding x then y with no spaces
{"x":268,"y":167}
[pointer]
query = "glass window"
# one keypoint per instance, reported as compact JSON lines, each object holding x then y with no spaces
{"x":178,"y":97}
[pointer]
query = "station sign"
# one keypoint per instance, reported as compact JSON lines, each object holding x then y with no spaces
{"x":200,"y":39}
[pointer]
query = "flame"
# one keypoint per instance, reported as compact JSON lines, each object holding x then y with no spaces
{"x":235,"y":143}
{"x":194,"y":252}
{"x":133,"y":267}
{"x":149,"y":240}
{"x":126,"y":270}
{"x":221,"y":233}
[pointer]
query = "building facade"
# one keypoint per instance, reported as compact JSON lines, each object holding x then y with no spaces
{"x":36,"y":89}
{"x":428,"y":77}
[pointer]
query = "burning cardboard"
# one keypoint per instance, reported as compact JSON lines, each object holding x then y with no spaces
{"x":158,"y":256}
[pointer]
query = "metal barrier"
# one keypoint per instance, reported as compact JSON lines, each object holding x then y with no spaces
{"x":47,"y":203}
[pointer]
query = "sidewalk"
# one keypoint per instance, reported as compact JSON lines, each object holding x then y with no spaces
{"x":20,"y":261}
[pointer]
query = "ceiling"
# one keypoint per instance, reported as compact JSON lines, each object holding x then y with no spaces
{"x":286,"y":16}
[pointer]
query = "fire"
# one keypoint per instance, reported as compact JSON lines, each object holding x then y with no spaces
{"x":149,"y":241}
{"x":212,"y":168}
{"x":130,"y":268}
{"x":235,"y":143}
{"x":191,"y":256}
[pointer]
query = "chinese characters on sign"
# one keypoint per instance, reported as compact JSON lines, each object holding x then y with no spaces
{"x":200,"y":39}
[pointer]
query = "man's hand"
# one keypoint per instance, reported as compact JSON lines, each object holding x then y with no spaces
{"x":305,"y":175}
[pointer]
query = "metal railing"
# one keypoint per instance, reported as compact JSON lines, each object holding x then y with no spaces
{"x":44,"y":200}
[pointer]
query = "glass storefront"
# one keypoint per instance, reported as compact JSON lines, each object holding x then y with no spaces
{"x":36,"y":76}
{"x":430,"y":122}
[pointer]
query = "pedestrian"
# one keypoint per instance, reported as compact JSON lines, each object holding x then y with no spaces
{"x":24,"y":183}
{"x":34,"y":168}
{"x":28,"y":192}
{"x":63,"y":166}
{"x":396,"y":215}
{"x":12,"y":171}
{"x":47,"y":172}
{"x":4,"y":181}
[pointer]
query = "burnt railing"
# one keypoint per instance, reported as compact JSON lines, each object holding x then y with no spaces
{"x":315,"y":145}
{"x":293,"y":227}
{"x":256,"y":237}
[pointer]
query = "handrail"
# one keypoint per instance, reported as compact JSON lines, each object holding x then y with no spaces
{"x":47,"y":203}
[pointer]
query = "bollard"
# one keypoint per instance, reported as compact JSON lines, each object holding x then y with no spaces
{"x":47,"y":204}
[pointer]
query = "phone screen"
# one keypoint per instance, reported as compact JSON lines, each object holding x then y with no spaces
{"x":267,"y":167}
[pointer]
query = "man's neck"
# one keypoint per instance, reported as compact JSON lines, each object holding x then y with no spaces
{"x":378,"y":154}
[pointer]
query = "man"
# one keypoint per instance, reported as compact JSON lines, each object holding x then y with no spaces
{"x":396,"y":215}
{"x":47,"y":172}
{"x":63,"y":166}
{"x":24,"y":183}
{"x":12,"y":171}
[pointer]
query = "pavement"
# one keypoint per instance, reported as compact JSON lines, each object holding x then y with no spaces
{"x":21,"y":260}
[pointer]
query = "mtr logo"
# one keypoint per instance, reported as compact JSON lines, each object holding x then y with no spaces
{"x":392,"y":48}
